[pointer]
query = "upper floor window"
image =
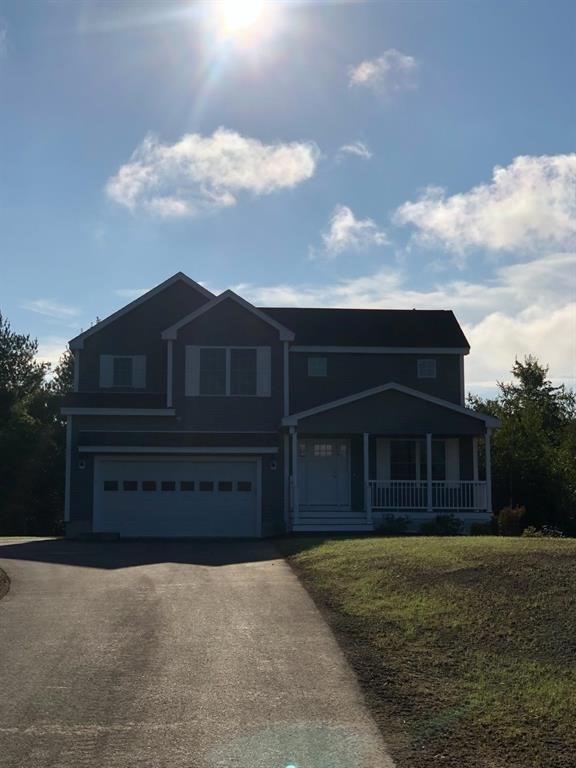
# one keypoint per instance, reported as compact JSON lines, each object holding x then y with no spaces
{"x":123,"y":371}
{"x":228,"y":371}
{"x":426,"y":368}
{"x":317,"y":366}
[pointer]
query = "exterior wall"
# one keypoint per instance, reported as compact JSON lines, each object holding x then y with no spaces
{"x":229,"y":324}
{"x":392,"y":413}
{"x":349,"y":373}
{"x":138,"y":332}
{"x":94,"y":431}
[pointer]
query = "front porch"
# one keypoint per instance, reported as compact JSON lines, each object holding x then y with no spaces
{"x":350,"y":483}
{"x":340,"y":480}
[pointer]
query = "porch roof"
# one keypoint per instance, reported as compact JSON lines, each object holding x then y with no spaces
{"x":395,"y":409}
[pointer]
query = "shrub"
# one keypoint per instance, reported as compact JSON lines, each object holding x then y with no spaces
{"x":393,"y":525}
{"x":442,"y":525}
{"x":483,"y":529}
{"x":546,"y":532}
{"x":511,"y":521}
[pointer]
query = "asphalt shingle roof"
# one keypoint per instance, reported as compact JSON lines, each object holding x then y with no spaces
{"x":371,"y":327}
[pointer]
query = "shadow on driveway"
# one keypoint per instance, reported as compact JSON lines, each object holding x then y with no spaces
{"x":128,"y":553}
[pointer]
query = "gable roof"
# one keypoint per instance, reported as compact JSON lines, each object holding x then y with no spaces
{"x":78,"y":341}
{"x":372,"y":327}
{"x":172,"y":331}
{"x":294,"y":418}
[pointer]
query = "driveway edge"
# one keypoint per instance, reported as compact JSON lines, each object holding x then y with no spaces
{"x":4,"y":583}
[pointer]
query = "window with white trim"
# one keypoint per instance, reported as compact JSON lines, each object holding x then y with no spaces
{"x":123,"y":371}
{"x":317,"y":367}
{"x":426,"y":368}
{"x":408,"y":460}
{"x":228,"y":371}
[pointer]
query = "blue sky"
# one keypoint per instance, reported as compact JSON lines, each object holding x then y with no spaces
{"x":338,"y":154}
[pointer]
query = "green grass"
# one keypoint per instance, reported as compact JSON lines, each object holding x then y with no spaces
{"x":465,"y":647}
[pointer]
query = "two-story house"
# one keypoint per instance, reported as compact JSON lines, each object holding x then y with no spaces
{"x":201,"y":415}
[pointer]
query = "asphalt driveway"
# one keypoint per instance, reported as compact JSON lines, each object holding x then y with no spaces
{"x":171,"y":655}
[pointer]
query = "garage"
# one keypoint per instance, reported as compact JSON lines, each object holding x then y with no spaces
{"x":157,"y":496}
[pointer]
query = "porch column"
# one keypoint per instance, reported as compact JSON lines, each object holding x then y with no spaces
{"x":488,"y":470}
{"x":429,"y":471}
{"x":295,"y":502}
{"x":366,"y":467}
{"x":286,"y":478}
{"x":475,"y":458}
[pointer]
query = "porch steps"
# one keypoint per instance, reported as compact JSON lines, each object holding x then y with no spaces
{"x":319,"y":520}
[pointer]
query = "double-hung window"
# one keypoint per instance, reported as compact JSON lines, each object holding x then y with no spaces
{"x":408,"y":460}
{"x":123,"y":371}
{"x":228,"y":371}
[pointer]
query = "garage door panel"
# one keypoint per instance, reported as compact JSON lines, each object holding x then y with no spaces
{"x":177,"y":498}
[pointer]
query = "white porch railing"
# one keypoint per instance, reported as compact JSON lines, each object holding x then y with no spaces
{"x":413,"y":494}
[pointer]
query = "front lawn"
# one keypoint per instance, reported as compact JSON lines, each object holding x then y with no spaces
{"x":465,"y":647}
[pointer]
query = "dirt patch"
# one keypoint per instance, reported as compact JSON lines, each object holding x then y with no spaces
{"x":4,"y":583}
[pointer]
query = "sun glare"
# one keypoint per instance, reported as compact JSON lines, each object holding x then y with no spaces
{"x":236,"y":16}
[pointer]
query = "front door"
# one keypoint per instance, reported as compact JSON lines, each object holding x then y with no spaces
{"x":324,"y":472}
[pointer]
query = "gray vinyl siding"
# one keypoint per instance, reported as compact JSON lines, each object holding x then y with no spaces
{"x":138,"y":332}
{"x":349,"y":373}
{"x":229,"y":324}
{"x":391,"y":413}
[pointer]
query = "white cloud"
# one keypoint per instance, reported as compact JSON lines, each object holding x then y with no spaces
{"x":51,"y":308}
{"x":391,"y":71}
{"x":204,"y":173}
{"x":357,"y":148}
{"x":523,"y":309}
{"x":51,"y":349}
{"x":131,"y":293}
{"x":3,"y":40}
{"x":347,"y":233}
{"x":529,"y":205}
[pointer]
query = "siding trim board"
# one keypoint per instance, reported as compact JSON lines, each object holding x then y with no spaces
{"x":117,"y":411}
{"x":293,"y":419}
{"x":385,"y":350}
{"x":153,"y":449}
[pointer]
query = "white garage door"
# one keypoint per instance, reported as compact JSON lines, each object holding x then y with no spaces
{"x":176,"y":497}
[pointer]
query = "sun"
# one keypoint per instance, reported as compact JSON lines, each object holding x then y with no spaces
{"x":238,"y":16}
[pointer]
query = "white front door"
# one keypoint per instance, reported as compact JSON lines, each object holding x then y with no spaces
{"x":324,"y":472}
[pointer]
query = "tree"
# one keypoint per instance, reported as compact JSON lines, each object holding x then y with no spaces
{"x":534,"y":451}
{"x":32,"y":437}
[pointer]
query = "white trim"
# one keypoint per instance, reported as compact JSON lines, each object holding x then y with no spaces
{"x":184,"y":431}
{"x":97,"y":480}
{"x":429,"y":471}
{"x":172,"y":331}
{"x":295,"y":500}
{"x":286,"y":380}
{"x":76,"y":353}
{"x":386,"y":350}
{"x":78,"y":341}
{"x":286,"y":478}
{"x":366,"y":472}
{"x":294,"y":418}
{"x":71,"y":411}
{"x":169,"y":375}
{"x":68,"y":468}
{"x":475,"y":458}
{"x":462,"y":386}
{"x":153,"y":449}
{"x":488,"y":471}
